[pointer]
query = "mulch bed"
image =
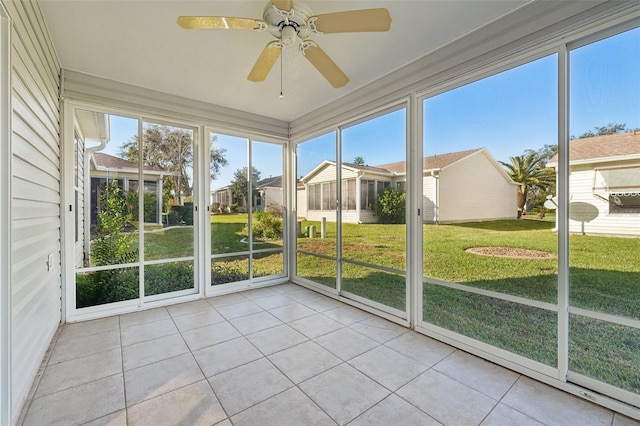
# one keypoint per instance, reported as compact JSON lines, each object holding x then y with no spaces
{"x":512,"y":252}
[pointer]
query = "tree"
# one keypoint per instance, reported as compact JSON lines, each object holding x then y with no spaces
{"x":609,"y":129}
{"x":359,"y":161}
{"x":546,"y":153}
{"x":240,"y":183}
{"x":216,"y":158}
{"x":171,"y":149}
{"x":529,"y":171}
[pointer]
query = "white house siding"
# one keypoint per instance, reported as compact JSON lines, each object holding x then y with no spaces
{"x":79,"y":196}
{"x":581,"y":184}
{"x":366,"y":216}
{"x":327,"y":174}
{"x":35,"y":227}
{"x":301,"y":202}
{"x":272,"y":197}
{"x":473,"y":189}
{"x":319,"y":214}
{"x":429,"y":198}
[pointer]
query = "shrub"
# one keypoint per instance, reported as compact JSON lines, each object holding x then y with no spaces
{"x":168,"y":277}
{"x":266,"y":226}
{"x":112,"y":244}
{"x":150,"y":206}
{"x":391,"y":206}
{"x":100,"y":287}
{"x":228,"y":272}
{"x":181,"y":214}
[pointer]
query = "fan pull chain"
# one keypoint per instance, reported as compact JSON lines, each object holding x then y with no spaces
{"x":281,"y":60}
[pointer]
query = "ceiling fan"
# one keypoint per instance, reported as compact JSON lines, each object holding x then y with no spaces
{"x":292,"y":25}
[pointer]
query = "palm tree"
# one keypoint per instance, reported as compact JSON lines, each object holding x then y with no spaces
{"x":529,"y":171}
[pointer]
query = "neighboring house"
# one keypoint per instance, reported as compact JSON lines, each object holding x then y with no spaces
{"x":105,"y":167}
{"x":604,"y":184}
{"x":269,"y":194}
{"x":221,"y":198}
{"x":360,"y":186}
{"x":224,"y":197}
{"x":457,"y":187}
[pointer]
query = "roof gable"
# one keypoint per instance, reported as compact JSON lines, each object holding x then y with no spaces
{"x":602,"y":148}
{"x":348,"y":166}
{"x":104,"y":161}
{"x":433,"y":162}
{"x":273,"y":182}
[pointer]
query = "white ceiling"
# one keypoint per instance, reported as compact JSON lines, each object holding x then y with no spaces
{"x":138,"y":42}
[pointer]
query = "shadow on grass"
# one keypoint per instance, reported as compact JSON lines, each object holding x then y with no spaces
{"x":507,"y":225}
{"x":612,"y":292}
{"x":387,"y":289}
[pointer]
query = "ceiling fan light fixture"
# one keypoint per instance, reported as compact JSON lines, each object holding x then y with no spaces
{"x":289,"y":35}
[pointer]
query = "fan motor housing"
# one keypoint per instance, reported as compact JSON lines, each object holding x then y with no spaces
{"x":277,"y":20}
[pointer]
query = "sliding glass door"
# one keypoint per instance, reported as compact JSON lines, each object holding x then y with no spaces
{"x":604,"y":216}
{"x":351,"y":213}
{"x":247,"y":211}
{"x":133,"y":192}
{"x":316,"y":211}
{"x":373,"y":220}
{"x":490,"y":265}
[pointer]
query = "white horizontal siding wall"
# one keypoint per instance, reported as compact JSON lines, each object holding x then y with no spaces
{"x":473,"y":189}
{"x":273,"y":198}
{"x":319,"y":214}
{"x":35,"y":227}
{"x":582,"y":195}
{"x":80,"y":212}
{"x":366,"y":216}
{"x":327,"y":174}
{"x":429,"y":198}
{"x":301,"y":203}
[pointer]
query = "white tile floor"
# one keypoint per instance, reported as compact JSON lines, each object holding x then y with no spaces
{"x":282,"y":356}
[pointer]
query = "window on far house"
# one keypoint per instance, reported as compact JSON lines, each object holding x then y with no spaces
{"x":400,"y":186}
{"x":315,"y":201}
{"x":367,"y":194}
{"x":349,"y":194}
{"x":382,"y":186}
{"x":624,"y":202}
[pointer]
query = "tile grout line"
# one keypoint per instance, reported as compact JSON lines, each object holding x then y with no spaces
{"x":124,"y":383}
{"x":206,"y":379}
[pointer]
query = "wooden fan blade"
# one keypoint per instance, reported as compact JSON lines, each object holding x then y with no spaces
{"x":354,"y":21}
{"x":326,"y":66}
{"x":263,"y":65}
{"x":283,"y":4}
{"x":217,"y":23}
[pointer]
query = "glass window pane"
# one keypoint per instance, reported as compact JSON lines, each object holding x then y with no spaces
{"x":374,"y":234}
{"x":604,"y":210}
{"x":267,"y":222}
{"x":230,"y":197}
{"x":485,"y":221}
{"x":316,"y":172}
{"x":107,"y":232}
{"x":167,"y":206}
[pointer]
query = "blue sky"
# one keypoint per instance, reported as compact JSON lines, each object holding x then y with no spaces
{"x":506,"y":113}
